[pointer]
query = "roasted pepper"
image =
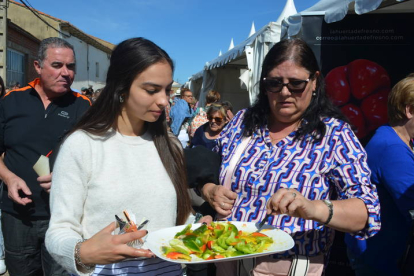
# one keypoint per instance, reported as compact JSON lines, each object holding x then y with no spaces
{"x":178,"y":255}
{"x":247,"y":248}
{"x":179,"y":246}
{"x":183,"y":232}
{"x":232,"y":240}
{"x":200,"y":230}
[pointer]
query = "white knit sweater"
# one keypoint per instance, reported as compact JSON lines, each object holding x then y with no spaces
{"x":95,"y":178}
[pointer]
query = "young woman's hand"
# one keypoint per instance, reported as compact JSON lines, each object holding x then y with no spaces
{"x":206,"y":219}
{"x":105,"y":248}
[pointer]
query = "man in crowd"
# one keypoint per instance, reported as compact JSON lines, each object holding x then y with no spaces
{"x":180,"y":113}
{"x":84,"y":90}
{"x":33,"y":121}
{"x":15,"y":85}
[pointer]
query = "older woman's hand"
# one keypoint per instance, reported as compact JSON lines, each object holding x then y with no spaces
{"x":220,"y":198}
{"x":291,"y":202}
{"x":349,"y":215}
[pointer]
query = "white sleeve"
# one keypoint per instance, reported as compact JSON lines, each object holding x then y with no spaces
{"x":69,"y":189}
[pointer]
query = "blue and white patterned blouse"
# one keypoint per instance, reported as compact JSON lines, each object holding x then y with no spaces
{"x":315,"y":169}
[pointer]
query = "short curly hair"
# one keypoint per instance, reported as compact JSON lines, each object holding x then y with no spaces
{"x":401,"y":96}
{"x":212,"y":97}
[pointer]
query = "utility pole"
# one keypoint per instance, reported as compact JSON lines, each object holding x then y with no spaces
{"x":3,"y":38}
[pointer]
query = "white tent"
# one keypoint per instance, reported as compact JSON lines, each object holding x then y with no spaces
{"x":336,"y":10}
{"x":235,"y":73}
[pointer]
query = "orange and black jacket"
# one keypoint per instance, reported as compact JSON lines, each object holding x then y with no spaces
{"x":28,"y":130}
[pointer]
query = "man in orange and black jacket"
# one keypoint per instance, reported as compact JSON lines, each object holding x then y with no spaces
{"x":33,"y":121}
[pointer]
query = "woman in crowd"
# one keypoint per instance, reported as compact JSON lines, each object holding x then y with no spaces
{"x":2,"y":262}
{"x":96,"y":95}
{"x":120,"y":156}
{"x":207,"y":134}
{"x":287,"y":156}
{"x":200,"y":116}
{"x":391,"y":160}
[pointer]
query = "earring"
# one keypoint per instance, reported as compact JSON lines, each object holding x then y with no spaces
{"x":121,"y":98}
{"x":314,"y":94}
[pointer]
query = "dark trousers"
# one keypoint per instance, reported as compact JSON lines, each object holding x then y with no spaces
{"x":24,"y":242}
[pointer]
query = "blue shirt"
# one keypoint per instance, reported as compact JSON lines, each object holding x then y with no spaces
{"x":392,"y":165}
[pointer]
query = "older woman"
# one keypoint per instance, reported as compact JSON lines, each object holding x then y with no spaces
{"x":200,"y":116}
{"x":287,"y":156}
{"x":391,"y":159}
{"x":207,"y":134}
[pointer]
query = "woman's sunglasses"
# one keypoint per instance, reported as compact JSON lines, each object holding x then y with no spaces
{"x":294,"y":86}
{"x":217,"y":119}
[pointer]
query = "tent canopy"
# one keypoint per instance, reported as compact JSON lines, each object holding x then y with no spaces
{"x":235,"y":73}
{"x":336,"y":10}
{"x":271,"y":34}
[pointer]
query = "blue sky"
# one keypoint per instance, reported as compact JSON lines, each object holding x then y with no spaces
{"x":191,"y":31}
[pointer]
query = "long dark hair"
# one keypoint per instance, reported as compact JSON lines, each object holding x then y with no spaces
{"x":320,"y":106}
{"x":130,"y":58}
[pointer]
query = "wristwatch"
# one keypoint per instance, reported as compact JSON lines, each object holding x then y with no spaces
{"x":330,"y":206}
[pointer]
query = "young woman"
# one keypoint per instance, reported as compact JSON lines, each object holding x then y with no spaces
{"x":120,"y":156}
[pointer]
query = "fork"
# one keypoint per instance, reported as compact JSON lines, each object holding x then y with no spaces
{"x":142,"y":224}
{"x":260,"y":226}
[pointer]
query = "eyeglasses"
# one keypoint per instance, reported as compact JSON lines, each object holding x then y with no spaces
{"x":294,"y":86}
{"x":217,"y":119}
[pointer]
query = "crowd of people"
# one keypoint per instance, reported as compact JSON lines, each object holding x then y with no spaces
{"x":291,"y":158}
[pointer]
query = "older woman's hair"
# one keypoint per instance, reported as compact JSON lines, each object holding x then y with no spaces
{"x":216,"y":108}
{"x":297,"y":51}
{"x":212,"y":97}
{"x":401,"y":96}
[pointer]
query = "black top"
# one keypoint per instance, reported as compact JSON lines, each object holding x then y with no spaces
{"x":203,"y":166}
{"x":27,"y":131}
{"x":200,"y":138}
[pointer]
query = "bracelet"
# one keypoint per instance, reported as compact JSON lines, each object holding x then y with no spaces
{"x":197,"y":217}
{"x":330,"y":206}
{"x":78,"y":260}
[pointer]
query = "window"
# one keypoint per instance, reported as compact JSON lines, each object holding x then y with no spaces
{"x":97,"y":69}
{"x":15,"y":67}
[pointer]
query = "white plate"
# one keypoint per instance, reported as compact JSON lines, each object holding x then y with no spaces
{"x":282,"y":241}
